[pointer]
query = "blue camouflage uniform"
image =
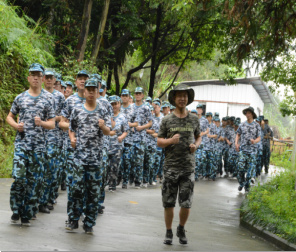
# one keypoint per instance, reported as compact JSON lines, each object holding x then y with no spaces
{"x":259,"y":155}
{"x":232,"y":153}
{"x":158,"y":156}
{"x":201,"y":154}
{"x":266,"y":147}
{"x":51,"y":171}
{"x":248,"y":152}
{"x":69,"y":105}
{"x":149,"y":170}
{"x":30,"y":146}
{"x":218,"y":147}
{"x":87,"y":166}
{"x":115,"y":149}
{"x":144,"y":116}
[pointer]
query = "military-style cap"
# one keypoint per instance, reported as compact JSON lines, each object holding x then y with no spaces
{"x":209,"y":114}
{"x":139,"y":90}
{"x":172,"y":107}
{"x":96,"y":76}
{"x":36,"y":67}
{"x":151,"y":107}
{"x":58,"y":76}
{"x":181,"y":87}
{"x":82,"y":72}
{"x":49,"y":72}
{"x":199,"y":106}
{"x":91,"y":83}
{"x":224,"y":119}
{"x":149,"y":99}
{"x":103,"y":84}
{"x":157,"y":100}
{"x":125,"y":92}
{"x":251,"y":109}
{"x":194,"y":111}
{"x":232,"y":118}
{"x":69,"y":83}
{"x":63,"y":84}
{"x":216,"y":119}
{"x":216,"y":114}
{"x":156,"y":103}
{"x":114,"y":98}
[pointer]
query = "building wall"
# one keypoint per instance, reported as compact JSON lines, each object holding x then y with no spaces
{"x":227,"y":100}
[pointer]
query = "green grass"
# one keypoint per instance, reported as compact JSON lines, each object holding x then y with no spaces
{"x":273,"y":204}
{"x":6,"y":158}
{"x":281,"y":160}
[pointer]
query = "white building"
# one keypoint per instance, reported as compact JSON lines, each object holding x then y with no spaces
{"x":230,"y":100}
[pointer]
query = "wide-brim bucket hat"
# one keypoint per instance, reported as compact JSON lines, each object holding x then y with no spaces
{"x":181,"y":87}
{"x":251,"y":109}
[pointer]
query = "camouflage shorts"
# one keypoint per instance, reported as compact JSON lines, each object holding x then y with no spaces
{"x":176,"y":183}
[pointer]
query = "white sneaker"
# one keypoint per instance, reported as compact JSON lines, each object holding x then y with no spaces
{"x":153,"y":183}
{"x":145,"y":185}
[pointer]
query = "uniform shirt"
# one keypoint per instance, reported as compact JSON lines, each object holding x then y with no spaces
{"x":151,"y":140}
{"x":231,"y":135}
{"x":88,"y":134}
{"x":144,"y":115}
{"x":266,"y":130}
{"x":248,"y":131}
{"x":178,"y":156}
{"x":53,"y":136}
{"x":158,"y":120}
{"x":69,"y":105}
{"x":130,"y":115}
{"x":260,"y":143}
{"x":210,"y":142}
{"x":121,"y":126}
{"x":106,"y":104}
{"x":28,"y":107}
{"x":204,"y":125}
{"x":219,"y":145}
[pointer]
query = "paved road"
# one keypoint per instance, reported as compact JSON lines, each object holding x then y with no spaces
{"x":133,"y":220}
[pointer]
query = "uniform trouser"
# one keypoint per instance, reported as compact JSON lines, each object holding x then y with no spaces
{"x":246,"y":168}
{"x":104,"y":167}
{"x":225,"y":154}
{"x":86,"y":192}
{"x":69,"y":156}
{"x":113,"y":168}
{"x":50,"y":176}
{"x":63,"y":163}
{"x":259,"y":163}
{"x":26,"y":187}
{"x":157,"y":162}
{"x":208,"y":161}
{"x":138,"y":161}
{"x":149,"y":169}
{"x":126,"y":162}
{"x":198,"y":159}
{"x":60,"y":168}
{"x":218,"y":158}
{"x":232,"y":162}
{"x":266,"y":157}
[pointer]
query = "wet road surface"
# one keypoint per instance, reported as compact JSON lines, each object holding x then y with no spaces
{"x":133,"y":220}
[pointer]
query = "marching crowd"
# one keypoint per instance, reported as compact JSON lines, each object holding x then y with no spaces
{"x":85,"y":142}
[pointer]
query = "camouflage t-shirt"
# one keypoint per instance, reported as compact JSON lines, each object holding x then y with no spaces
{"x":144,"y":116}
{"x":178,"y":156}
{"x":219,"y":145}
{"x":71,"y":102}
{"x":158,"y":120}
{"x":267,"y":130}
{"x":88,"y":134}
{"x":248,"y":131}
{"x":231,"y":135}
{"x":28,"y":107}
{"x":260,"y":143}
{"x":151,"y":140}
{"x":121,"y":126}
{"x":54,"y":137}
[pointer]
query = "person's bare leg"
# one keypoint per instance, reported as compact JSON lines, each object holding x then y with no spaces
{"x":183,"y":215}
{"x":168,"y":217}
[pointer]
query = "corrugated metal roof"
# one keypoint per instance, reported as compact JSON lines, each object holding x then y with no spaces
{"x":260,"y":86}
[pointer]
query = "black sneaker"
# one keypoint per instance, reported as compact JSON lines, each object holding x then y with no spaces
{"x":15,"y":218}
{"x":240,"y":188}
{"x":100,"y":211}
{"x":44,"y":209}
{"x":168,"y":240}
{"x":88,"y":230}
{"x":181,"y":235}
{"x":71,"y":225}
{"x":25,"y":222}
{"x":124,"y":186}
{"x":50,"y":207}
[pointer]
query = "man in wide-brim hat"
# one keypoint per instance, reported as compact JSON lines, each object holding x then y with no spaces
{"x":179,"y":134}
{"x":251,"y":109}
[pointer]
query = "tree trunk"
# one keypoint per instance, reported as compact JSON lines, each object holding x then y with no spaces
{"x":82,"y":39}
{"x":154,"y":68}
{"x":116,"y":78}
{"x":101,"y":29}
{"x":109,"y":78}
{"x":294,"y":147}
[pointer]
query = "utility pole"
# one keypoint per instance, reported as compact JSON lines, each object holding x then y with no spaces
{"x":294,"y":146}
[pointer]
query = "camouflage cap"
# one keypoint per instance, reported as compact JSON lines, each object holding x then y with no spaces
{"x":148,"y":99}
{"x":91,"y":83}
{"x":114,"y":98}
{"x":125,"y":92}
{"x":139,"y":90}
{"x":209,"y":114}
{"x":156,"y":100}
{"x":194,"y":111}
{"x":216,"y":119}
{"x":199,"y":106}
{"x":96,"y":76}
{"x":82,"y":72}
{"x":36,"y":67}
{"x":224,"y":119}
{"x":63,"y":84}
{"x":69,"y":83}
{"x":156,"y":103}
{"x":181,"y":87}
{"x":49,"y":72}
{"x":251,"y":109}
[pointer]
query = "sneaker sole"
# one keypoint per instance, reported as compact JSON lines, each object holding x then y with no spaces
{"x":26,"y":224}
{"x":14,"y":222}
{"x":167,"y":242}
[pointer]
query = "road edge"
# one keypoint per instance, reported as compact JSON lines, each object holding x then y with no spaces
{"x":268,"y":236}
